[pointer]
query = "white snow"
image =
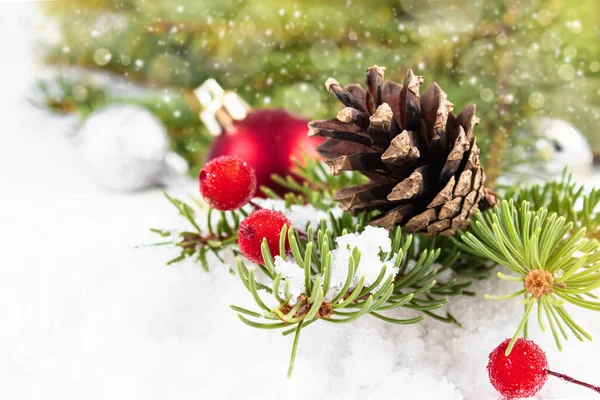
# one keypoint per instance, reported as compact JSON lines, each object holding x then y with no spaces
{"x":292,"y":276}
{"x":85,"y":315}
{"x":299,"y":216}
{"x":371,"y":242}
{"x":578,"y":254}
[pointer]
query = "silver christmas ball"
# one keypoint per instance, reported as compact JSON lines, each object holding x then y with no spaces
{"x":124,"y":148}
{"x":563,"y":146}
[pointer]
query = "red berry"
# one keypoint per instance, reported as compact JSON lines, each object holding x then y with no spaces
{"x":258,"y":225}
{"x":522,"y":373}
{"x":227,"y":183}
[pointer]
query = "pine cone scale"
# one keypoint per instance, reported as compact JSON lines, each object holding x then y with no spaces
{"x":412,"y":187}
{"x":403,"y":150}
{"x":436,"y":108}
{"x":344,"y":96}
{"x":390,"y":93}
{"x":395,"y":216}
{"x":455,"y":158}
{"x":422,"y":160}
{"x":373,"y":82}
{"x":451,"y":209}
{"x":420,"y":222}
{"x":353,"y":196}
{"x":445,"y":195}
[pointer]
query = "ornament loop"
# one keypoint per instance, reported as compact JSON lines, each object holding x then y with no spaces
{"x":220,"y":108}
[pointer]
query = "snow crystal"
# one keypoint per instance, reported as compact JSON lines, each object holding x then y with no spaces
{"x":293,"y":275}
{"x":371,"y":243}
{"x":578,"y":254}
{"x":443,"y":276}
{"x":559,"y":273}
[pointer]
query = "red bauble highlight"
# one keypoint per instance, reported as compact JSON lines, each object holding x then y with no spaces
{"x":520,"y":374}
{"x":267,"y":139}
{"x":227,"y":183}
{"x":258,"y":225}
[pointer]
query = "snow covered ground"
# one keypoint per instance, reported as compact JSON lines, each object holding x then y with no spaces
{"x":85,"y":315}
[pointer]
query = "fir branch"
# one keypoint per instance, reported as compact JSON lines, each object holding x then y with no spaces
{"x":221,"y":232}
{"x":552,"y":258}
{"x":413,"y":287}
{"x":464,"y":264}
{"x":65,"y":96}
{"x":567,"y":199}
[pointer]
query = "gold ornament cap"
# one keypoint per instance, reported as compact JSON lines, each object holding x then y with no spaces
{"x":220,"y":108}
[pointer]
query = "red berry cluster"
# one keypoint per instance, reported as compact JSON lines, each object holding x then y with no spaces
{"x":228,"y":183}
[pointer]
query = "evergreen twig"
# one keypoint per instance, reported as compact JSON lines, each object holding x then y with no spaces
{"x":567,"y":199}
{"x":548,"y":255}
{"x":221,"y":232}
{"x":414,"y":287}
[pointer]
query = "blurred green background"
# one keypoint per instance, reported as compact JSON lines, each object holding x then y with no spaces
{"x":514,"y":59}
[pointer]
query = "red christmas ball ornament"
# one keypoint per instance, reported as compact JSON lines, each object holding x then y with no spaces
{"x":261,"y":224}
{"x":267,"y":139}
{"x":520,"y":374}
{"x":227,"y":183}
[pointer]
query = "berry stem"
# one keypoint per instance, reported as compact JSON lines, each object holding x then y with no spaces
{"x":569,"y":379}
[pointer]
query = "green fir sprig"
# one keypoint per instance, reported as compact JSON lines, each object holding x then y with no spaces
{"x":553,"y":261}
{"x":66,"y":95}
{"x":220,"y":233}
{"x":567,"y":199}
{"x":413,"y":287}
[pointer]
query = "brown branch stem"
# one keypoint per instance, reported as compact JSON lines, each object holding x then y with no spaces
{"x":575,"y":381}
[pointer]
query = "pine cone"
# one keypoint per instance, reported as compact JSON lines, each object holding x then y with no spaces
{"x":422,"y":160}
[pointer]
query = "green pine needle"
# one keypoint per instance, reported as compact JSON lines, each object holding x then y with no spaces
{"x":541,"y":248}
{"x":565,"y":198}
{"x":220,"y":234}
{"x":311,"y":183}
